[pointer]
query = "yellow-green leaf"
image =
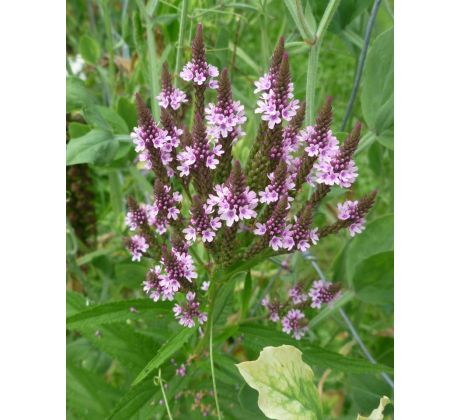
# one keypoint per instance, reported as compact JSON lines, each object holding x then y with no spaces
{"x":377,"y":414}
{"x":285,"y":384}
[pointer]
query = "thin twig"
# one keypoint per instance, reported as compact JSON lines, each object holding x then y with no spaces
{"x":360,"y":67}
{"x":164,"y":395}
{"x":211,"y":360}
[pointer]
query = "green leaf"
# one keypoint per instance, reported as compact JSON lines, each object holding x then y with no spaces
{"x":77,"y":95}
{"x":377,"y":414}
{"x":376,"y":238}
{"x":347,"y":12}
{"x":285,"y":384}
{"x":373,"y":279}
{"x":246,"y":295}
{"x":89,"y":49}
{"x":106,"y":119}
{"x":97,"y":146}
{"x":258,"y":336}
{"x":127,"y":110}
{"x":121,"y":342}
{"x":165,"y":352}
{"x":78,"y":129}
{"x":116,"y":312}
{"x":88,"y":395}
{"x":377,"y":86}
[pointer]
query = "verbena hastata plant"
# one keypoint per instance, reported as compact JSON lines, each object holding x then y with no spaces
{"x":240,"y":214}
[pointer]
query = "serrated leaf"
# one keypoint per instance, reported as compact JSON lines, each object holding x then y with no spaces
{"x":116,"y":312}
{"x":97,"y":146}
{"x":377,"y":414}
{"x":165,"y":352}
{"x":285,"y":384}
{"x":89,"y":49}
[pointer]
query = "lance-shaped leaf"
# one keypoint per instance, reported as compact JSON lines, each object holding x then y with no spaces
{"x":377,"y":414}
{"x":285,"y":384}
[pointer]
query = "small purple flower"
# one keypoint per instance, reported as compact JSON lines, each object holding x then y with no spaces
{"x":171,"y":97}
{"x":275,"y":229}
{"x":323,"y":292}
{"x":224,"y":119}
{"x":137,"y":246}
{"x":181,"y":370}
{"x":294,"y":322}
{"x":273,"y":308}
{"x":189,"y":311}
{"x":319,"y":143}
{"x":232,"y":207}
{"x":349,"y":211}
{"x":297,"y":295}
{"x":165,"y":207}
{"x":205,"y":286}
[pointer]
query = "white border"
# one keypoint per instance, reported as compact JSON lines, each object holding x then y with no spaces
{"x":32,"y":91}
{"x":427,"y":112}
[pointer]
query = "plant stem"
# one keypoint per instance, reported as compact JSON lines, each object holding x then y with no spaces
{"x":313,"y":58}
{"x":211,"y":360}
{"x":311,"y":82}
{"x":361,"y":61}
{"x":151,"y":57}
{"x":108,"y":31}
{"x":180,"y":41}
{"x":164,"y":395}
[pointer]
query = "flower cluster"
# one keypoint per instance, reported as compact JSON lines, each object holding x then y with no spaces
{"x":170,"y":96}
{"x":198,"y":70}
{"x":275,"y":230}
{"x":234,"y":201}
{"x":137,"y":246}
{"x":349,"y":211}
{"x":276,"y":101}
{"x":165,"y":207}
{"x":294,"y":322}
{"x":189,"y":311}
{"x":291,"y":313}
{"x":235,"y":211}
{"x":323,"y":292}
{"x":225,"y":119}
{"x":201,"y":223}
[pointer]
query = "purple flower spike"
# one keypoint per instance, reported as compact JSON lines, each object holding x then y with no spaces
{"x":138,"y":245}
{"x":165,"y":208}
{"x":277,"y":104}
{"x":323,"y":292}
{"x":198,"y":70}
{"x":294,"y":322}
{"x":170,"y":97}
{"x":202,"y":224}
{"x":275,"y":229}
{"x":233,"y":200}
{"x":339,"y":168}
{"x":349,"y":211}
{"x":189,"y":311}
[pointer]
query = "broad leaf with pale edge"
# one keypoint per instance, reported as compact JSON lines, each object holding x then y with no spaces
{"x":285,"y":384}
{"x":377,"y":414}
